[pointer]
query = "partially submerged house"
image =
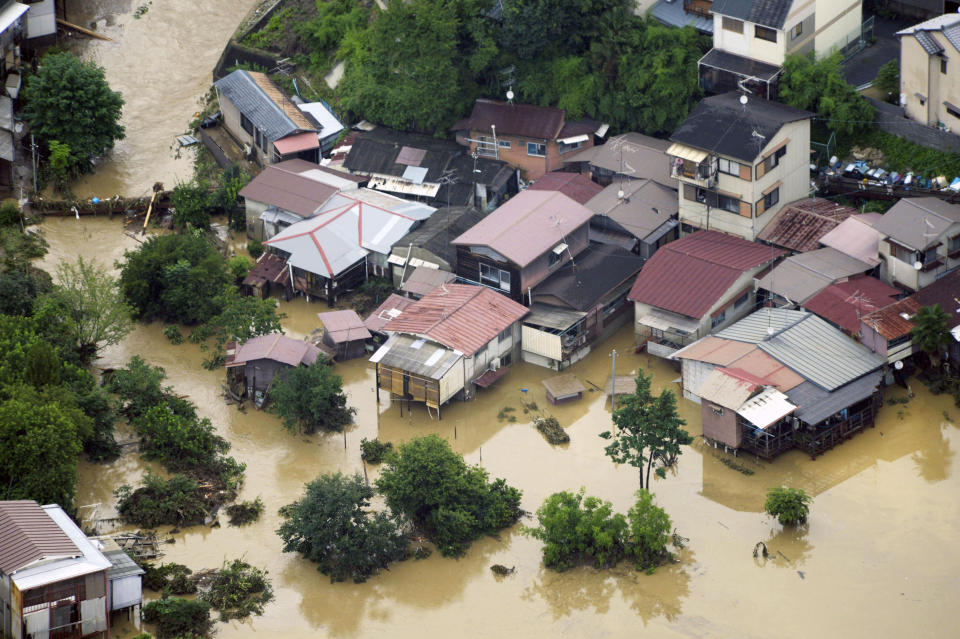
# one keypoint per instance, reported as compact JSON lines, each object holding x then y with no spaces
{"x":800,"y":225}
{"x":781,"y":379}
{"x":288,"y":192}
{"x":268,"y":276}
{"x":349,"y":238}
{"x":579,"y":305}
{"x":625,"y":156}
{"x":799,"y":277}
{"x":453,"y":340}
{"x":521,"y":243}
{"x":253,"y":365}
{"x":429,"y":243}
{"x":738,"y":160}
{"x":638,"y":215}
{"x":697,"y":284}
{"x":345,"y":333}
{"x":532,"y":138}
{"x":921,"y":241}
{"x":53,"y":580}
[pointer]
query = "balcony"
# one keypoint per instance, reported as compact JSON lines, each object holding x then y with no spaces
{"x":699,"y":8}
{"x":702,"y":174}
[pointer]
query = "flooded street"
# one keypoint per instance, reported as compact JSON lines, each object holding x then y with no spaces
{"x":162,"y":63}
{"x":878,"y":558}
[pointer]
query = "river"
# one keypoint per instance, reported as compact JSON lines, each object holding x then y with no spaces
{"x":878,"y":558}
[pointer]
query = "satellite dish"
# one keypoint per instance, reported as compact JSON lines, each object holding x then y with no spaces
{"x":620,"y":194}
{"x":743,"y":100}
{"x":918,"y":265}
{"x":509,"y":94}
{"x":898,"y":365}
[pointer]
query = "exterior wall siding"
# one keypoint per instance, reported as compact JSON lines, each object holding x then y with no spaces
{"x":914,"y":77}
{"x":838,"y":24}
{"x":721,"y":427}
{"x":468,"y":268}
{"x":531,"y":166}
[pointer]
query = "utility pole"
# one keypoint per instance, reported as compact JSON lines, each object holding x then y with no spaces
{"x":613,"y":382}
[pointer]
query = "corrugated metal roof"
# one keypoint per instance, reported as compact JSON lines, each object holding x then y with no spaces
{"x":740,"y":65}
{"x":344,"y":326}
{"x":766,"y":408}
{"x":845,"y":303}
{"x":856,"y":237}
{"x":799,"y":225}
{"x":726,"y":390}
{"x":582,"y":284}
{"x":768,"y":13}
{"x":423,"y":280}
{"x":436,"y":233}
{"x":417,"y":356}
{"x":269,"y":268}
{"x":889,"y":322}
{"x":459,"y":316}
{"x":806,"y":344}
{"x":285,"y":186}
{"x":389,"y":310}
{"x":632,"y":154}
{"x":741,"y":359}
{"x":528,"y":120}
{"x":713,"y":350}
{"x":121,"y":565}
{"x":918,"y":222}
{"x":330,"y":124}
{"x":576,"y":186}
{"x":29,"y":534}
{"x":527,"y":225}
{"x":815,"y":404}
{"x":801,"y":276}
{"x":645,"y":207}
{"x":257,"y":97}
{"x":276,"y":347}
{"x":688,"y":276}
{"x":543,"y":315}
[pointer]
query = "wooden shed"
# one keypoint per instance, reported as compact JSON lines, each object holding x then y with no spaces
{"x":563,"y":388}
{"x":345,"y":333}
{"x":252,"y":366}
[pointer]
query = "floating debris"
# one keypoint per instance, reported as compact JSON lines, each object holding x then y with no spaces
{"x":551,"y":430}
{"x":499,"y":569}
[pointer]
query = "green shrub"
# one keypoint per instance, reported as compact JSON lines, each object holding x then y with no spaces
{"x":172,"y":333}
{"x":176,"y":501}
{"x":175,"y":617}
{"x":9,"y":213}
{"x":373,"y":450}
{"x":181,"y":443}
{"x":255,"y":249}
{"x":245,"y":512}
{"x":551,"y":430}
{"x":789,"y":505}
{"x":238,"y":590}
{"x":239,"y":266}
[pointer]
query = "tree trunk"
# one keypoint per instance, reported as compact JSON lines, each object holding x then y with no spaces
{"x":649,"y":466}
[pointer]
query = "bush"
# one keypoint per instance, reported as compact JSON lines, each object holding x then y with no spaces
{"x":238,"y":590}
{"x":453,"y":503}
{"x":180,"y":443}
{"x":176,"y":502}
{"x":373,"y":450}
{"x":310,"y":398}
{"x":902,"y":155}
{"x":789,"y":505}
{"x":9,"y":213}
{"x":175,"y":617}
{"x":192,"y":205}
{"x":239,"y":266}
{"x":139,"y":386}
{"x":255,"y":249}
{"x":888,"y":81}
{"x":169,"y":579}
{"x":245,"y":512}
{"x":551,"y":430}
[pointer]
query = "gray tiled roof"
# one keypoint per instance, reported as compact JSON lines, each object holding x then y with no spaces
{"x":769,"y":13}
{"x":918,"y":222}
{"x":926,"y":41}
{"x":948,"y":24}
{"x":806,"y":344}
{"x":241,"y":89}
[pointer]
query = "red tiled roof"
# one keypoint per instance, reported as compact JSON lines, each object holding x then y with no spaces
{"x":344,"y":326}
{"x":800,"y":225}
{"x":690,"y":275}
{"x":576,"y":186}
{"x":28,"y":533}
{"x":845,"y":303}
{"x":276,"y":347}
{"x":528,"y":120}
{"x":459,"y":316}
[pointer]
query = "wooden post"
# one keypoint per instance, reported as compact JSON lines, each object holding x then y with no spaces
{"x":146,"y":220}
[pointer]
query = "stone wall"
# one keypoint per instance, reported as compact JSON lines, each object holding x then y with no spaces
{"x":891,"y":118}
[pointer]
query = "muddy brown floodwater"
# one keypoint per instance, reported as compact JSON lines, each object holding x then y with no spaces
{"x":879,"y":557}
{"x":162,"y":63}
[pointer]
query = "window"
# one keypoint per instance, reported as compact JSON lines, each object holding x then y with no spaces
{"x":246,"y":124}
{"x":486,"y":147}
{"x":743,"y":299}
{"x":717,"y":410}
{"x":953,"y":111}
{"x":728,"y":166}
{"x":773,"y":159}
{"x":897,"y":341}
{"x":495,"y":277}
{"x":506,"y":334}
{"x":953,"y":245}
{"x":555,"y":258}
{"x":729,"y":24}
{"x":504,"y":144}
{"x":728,"y":203}
{"x":535,"y":148}
{"x":717,"y":319}
{"x":563,"y":147}
{"x":763,"y":33}
{"x":258,"y":139}
{"x":943,"y":65}
{"x":902,"y":253}
{"x":771,"y":198}
{"x":796,"y":31}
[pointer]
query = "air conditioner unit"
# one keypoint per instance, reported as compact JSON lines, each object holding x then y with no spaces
{"x":247,"y":151}
{"x":495,"y":363}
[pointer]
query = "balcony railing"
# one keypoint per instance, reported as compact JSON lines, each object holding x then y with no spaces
{"x":704,"y":173}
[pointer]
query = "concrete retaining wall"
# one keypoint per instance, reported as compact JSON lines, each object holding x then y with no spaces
{"x":891,"y":118}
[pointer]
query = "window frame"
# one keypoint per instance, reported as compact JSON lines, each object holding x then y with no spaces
{"x":501,"y":277}
{"x":725,"y":202}
{"x":796,"y":31}
{"x":943,"y":65}
{"x":537,"y":146}
{"x":732,"y":25}
{"x":771,"y":199}
{"x":246,"y":124}
{"x":733,"y":167}
{"x":768,"y":34}
{"x":503,"y":144}
{"x":718,"y":319}
{"x":743,"y":299}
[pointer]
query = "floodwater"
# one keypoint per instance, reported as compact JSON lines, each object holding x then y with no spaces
{"x":878,"y":558}
{"x":162,"y":63}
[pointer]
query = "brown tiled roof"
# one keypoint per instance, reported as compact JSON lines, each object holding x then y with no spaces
{"x":542,"y":123}
{"x":459,"y":316}
{"x":800,"y":225}
{"x":344,"y":326}
{"x":28,"y":534}
{"x":688,"y":276}
{"x":576,"y":186}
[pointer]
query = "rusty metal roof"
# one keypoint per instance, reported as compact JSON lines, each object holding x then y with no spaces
{"x":269,"y":268}
{"x":894,"y":320}
{"x":344,"y":326}
{"x":843,"y":304}
{"x":576,"y":186}
{"x":389,"y":310}
{"x":459,"y":316}
{"x":528,"y":120}
{"x":29,"y":534}
{"x":800,"y":225}
{"x":276,"y":347}
{"x":688,"y":276}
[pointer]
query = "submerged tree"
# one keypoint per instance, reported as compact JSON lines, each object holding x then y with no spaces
{"x":789,"y":505}
{"x":649,"y":431}
{"x":310,"y":398}
{"x":931,"y":332}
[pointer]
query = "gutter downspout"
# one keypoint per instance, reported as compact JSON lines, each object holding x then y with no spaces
{"x":403,"y":274}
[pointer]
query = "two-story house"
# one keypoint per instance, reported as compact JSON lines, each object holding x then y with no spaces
{"x":929,"y":79}
{"x":739,"y":159}
{"x":922,"y":241}
{"x":752,"y":39}
{"x":531,"y":138}
{"x":524,"y":241}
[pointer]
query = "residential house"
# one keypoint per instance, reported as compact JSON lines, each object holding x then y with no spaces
{"x":856,"y":237}
{"x":790,"y":379}
{"x":423,"y":279}
{"x":288,"y":192}
{"x":521,"y":243}
{"x":429,"y":169}
{"x":453,"y":340}
{"x":264,"y":121}
{"x":799,"y":277}
{"x":930,"y":71}
{"x":922,"y":241}
{"x":349,"y":238}
{"x":752,"y":39}
{"x":41,"y":22}
{"x":624,"y":156}
{"x":53,"y":580}
{"x":682,"y":13}
{"x":268,"y":276}
{"x":8,"y":145}
{"x":922,"y":9}
{"x":330,"y":125}
{"x":638,"y":215}
{"x":579,"y":305}
{"x":889,"y":330}
{"x":531,"y":138}
{"x":429,"y":244}
{"x":345,"y":333}
{"x":125,"y":579}
{"x":799,"y":225}
{"x":389,"y":310}
{"x":13,"y":31}
{"x":697,"y":284}
{"x":577,"y":187}
{"x":253,"y":365}
{"x":845,"y":304}
{"x":739,"y":160}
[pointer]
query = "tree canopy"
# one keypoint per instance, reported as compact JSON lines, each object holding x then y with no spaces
{"x":649,"y":431}
{"x":310,"y":398}
{"x":332,"y":526}
{"x":69,"y":102}
{"x":931,"y":332}
{"x":818,"y":85}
